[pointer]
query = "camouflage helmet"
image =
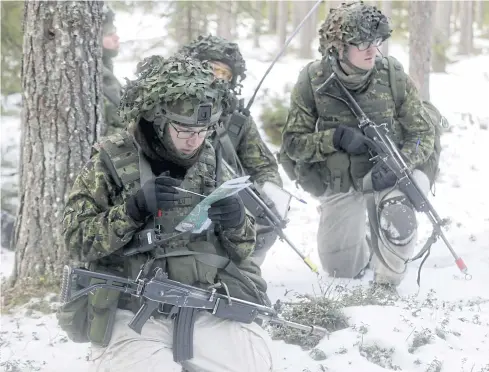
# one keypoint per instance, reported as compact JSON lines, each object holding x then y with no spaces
{"x":215,"y":48}
{"x":352,"y":23}
{"x":108,"y":17}
{"x":179,"y":89}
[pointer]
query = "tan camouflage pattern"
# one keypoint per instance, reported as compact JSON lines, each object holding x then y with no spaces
{"x":352,"y":23}
{"x":303,"y":143}
{"x":95,"y":220}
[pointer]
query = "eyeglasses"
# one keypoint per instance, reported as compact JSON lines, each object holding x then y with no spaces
{"x":367,"y":44}
{"x":187,"y":134}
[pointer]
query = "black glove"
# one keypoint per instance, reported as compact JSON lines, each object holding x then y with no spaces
{"x":228,"y":212}
{"x":155,"y":194}
{"x":350,"y":140}
{"x":382,"y":177}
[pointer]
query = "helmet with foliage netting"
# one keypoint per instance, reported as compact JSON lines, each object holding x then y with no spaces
{"x":352,"y":23}
{"x":215,"y":48}
{"x":179,"y":89}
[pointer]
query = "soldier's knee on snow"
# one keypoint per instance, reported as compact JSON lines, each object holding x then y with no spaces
{"x":397,"y":220}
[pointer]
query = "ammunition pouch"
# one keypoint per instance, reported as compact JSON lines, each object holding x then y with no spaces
{"x":102,"y":306}
{"x":185,"y":267}
{"x":338,"y":165}
{"x":73,"y":319}
{"x":360,"y":165}
{"x":89,"y":318}
{"x":313,"y":177}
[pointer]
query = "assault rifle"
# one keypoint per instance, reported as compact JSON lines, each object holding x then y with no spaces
{"x":185,"y":301}
{"x":385,"y":150}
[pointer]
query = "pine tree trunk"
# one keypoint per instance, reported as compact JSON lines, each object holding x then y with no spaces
{"x":272,"y":16}
{"x":386,"y":8}
{"x":61,"y":120}
{"x":441,"y":35}
{"x":305,"y":50}
{"x":224,"y":19}
{"x":282,"y":19}
{"x":420,"y":30}
{"x":256,"y":11}
{"x":466,"y":27}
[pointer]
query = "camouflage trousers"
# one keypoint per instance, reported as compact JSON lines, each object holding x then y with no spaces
{"x":342,"y":232}
{"x":219,"y":346}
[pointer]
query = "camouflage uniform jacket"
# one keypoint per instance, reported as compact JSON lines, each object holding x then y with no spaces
{"x":96,"y":224}
{"x":308,"y":133}
{"x":255,"y":156}
{"x":112,"y":96}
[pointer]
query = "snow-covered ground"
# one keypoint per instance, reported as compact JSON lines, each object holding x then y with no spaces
{"x":441,"y":326}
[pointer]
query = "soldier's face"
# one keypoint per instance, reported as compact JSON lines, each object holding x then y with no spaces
{"x":222,"y":71}
{"x":187,"y":139}
{"x":111,"y":41}
{"x":364,"y":59}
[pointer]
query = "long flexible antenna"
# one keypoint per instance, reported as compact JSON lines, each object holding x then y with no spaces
{"x":282,"y":51}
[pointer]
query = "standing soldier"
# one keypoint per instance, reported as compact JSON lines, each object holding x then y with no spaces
{"x":331,"y":154}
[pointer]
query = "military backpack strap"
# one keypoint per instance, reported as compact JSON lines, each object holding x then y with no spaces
{"x":237,"y":122}
{"x":397,"y":80}
{"x":308,"y":93}
{"x":226,"y":145}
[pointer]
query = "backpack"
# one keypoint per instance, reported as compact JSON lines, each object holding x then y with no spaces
{"x":398,"y":90}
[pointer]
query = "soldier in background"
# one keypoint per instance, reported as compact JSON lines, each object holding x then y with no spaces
{"x":111,"y":86}
{"x":253,"y":155}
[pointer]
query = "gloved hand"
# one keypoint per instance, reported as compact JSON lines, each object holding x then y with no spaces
{"x":155,"y":194}
{"x":350,"y":140}
{"x":382,"y":177}
{"x":228,"y":212}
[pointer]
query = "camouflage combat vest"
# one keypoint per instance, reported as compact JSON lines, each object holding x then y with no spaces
{"x":341,"y":170}
{"x":194,"y":259}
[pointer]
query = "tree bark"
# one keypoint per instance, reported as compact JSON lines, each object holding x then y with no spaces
{"x":272,"y":16}
{"x":305,"y":39}
{"x":466,"y":27}
{"x":61,"y":119}
{"x":224,"y":12}
{"x":282,"y":20}
{"x":441,"y":35}
{"x":420,"y":30}
{"x":257,"y":15}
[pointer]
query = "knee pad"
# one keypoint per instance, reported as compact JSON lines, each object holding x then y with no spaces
{"x":397,"y":220}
